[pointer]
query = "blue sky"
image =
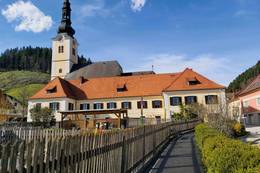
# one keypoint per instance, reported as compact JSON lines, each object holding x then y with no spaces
{"x":218,"y":38}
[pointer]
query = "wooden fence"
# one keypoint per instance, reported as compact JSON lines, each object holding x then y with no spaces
{"x":60,"y":151}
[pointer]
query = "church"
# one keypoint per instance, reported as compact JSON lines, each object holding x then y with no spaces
{"x":102,"y":92}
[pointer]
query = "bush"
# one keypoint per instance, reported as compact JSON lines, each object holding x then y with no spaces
{"x":239,"y":129}
{"x":223,"y":154}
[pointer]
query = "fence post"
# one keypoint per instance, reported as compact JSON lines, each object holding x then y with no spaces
{"x":143,"y":145}
{"x":123,"y":155}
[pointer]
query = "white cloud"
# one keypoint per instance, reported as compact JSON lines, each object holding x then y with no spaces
{"x":30,"y":17}
{"x":92,"y":9}
{"x":215,"y":68}
{"x":137,"y":5}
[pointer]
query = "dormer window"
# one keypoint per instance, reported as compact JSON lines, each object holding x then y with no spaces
{"x":121,"y":88}
{"x":61,"y":49}
{"x":193,"y":81}
{"x":52,"y":89}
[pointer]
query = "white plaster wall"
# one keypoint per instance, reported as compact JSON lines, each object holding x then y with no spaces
{"x":200,"y":98}
{"x":134,"y":112}
{"x":63,"y":60}
{"x":45,"y":103}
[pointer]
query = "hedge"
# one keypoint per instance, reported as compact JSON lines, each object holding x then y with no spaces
{"x":221,"y":154}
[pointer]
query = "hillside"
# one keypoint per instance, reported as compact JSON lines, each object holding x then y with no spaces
{"x":23,"y":71}
{"x":18,"y":83}
{"x":244,"y":78}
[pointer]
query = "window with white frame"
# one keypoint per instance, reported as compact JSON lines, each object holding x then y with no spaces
{"x":258,"y":101}
{"x":98,"y":106}
{"x":111,"y":105}
{"x":126,"y":105}
{"x":84,"y":106}
{"x":54,"y":106}
{"x":246,"y":104}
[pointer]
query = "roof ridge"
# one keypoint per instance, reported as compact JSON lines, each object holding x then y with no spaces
{"x":175,"y":79}
{"x":243,"y":91}
{"x":114,"y":77}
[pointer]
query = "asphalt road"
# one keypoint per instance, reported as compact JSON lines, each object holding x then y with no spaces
{"x":180,"y":156}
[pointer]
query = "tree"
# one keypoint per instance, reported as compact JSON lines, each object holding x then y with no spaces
{"x":31,"y":59}
{"x":39,"y":114}
{"x":24,"y":96}
{"x":189,"y":111}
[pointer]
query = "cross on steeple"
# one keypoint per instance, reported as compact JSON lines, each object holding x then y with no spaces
{"x":65,"y":26}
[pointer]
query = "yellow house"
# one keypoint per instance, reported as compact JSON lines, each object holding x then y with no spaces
{"x":151,"y":95}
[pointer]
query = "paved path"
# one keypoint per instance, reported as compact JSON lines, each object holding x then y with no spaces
{"x":254,"y":136}
{"x":180,"y":156}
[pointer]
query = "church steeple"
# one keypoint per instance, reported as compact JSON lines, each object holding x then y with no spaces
{"x":65,"y":26}
{"x":64,"y":45}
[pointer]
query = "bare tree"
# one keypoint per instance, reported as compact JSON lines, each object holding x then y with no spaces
{"x":24,"y":96}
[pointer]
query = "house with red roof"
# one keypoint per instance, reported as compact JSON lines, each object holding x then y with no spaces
{"x":246,"y":104}
{"x":149,"y":95}
{"x":104,"y":88}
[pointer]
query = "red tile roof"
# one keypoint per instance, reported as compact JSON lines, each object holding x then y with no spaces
{"x":182,"y":82}
{"x":136,"y":86}
{"x":251,"y":87}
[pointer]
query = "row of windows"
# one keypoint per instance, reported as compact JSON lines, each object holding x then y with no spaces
{"x":61,"y":50}
{"x":209,"y":99}
{"x":124,"y":105}
{"x":174,"y":101}
{"x":111,"y":105}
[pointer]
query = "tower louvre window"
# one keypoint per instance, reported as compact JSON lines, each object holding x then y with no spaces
{"x":74,"y":51}
{"x":61,"y":49}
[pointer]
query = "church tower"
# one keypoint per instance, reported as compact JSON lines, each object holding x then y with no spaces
{"x":64,"y":45}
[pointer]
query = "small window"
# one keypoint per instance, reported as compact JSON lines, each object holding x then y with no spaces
{"x":142,"y":104}
{"x":258,"y":101}
{"x":74,"y":51}
{"x":85,"y":106}
{"x":55,"y":106}
{"x":38,"y":106}
{"x":193,"y":81}
{"x":60,"y":70}
{"x":126,"y":105}
{"x":246,"y":104}
{"x":111,"y":105}
{"x":61,"y":49}
{"x":175,"y":101}
{"x":71,"y":106}
{"x":51,"y":90}
{"x":121,"y":88}
{"x":190,"y":100}
{"x":157,"y":104}
{"x":211,"y":99}
{"x":98,"y":106}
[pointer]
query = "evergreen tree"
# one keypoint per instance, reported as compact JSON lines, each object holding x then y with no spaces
{"x":243,"y":79}
{"x":31,"y":59}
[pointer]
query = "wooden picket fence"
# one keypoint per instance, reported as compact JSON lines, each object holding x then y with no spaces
{"x":60,"y":151}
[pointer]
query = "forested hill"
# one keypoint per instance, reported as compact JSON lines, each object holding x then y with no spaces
{"x":243,"y":79}
{"x":30,"y":59}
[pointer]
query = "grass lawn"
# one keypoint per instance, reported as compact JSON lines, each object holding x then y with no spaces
{"x":16,"y":79}
{"x":31,"y":89}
